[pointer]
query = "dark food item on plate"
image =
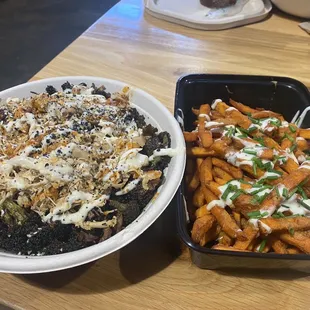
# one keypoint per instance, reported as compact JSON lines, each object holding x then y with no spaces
{"x":76,"y":167}
{"x":218,"y":3}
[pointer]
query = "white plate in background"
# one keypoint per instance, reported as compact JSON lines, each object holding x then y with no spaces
{"x":192,"y":14}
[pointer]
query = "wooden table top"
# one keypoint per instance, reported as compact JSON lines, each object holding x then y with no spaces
{"x":152,"y":272}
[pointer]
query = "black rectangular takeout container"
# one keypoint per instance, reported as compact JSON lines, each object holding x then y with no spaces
{"x":280,"y":94}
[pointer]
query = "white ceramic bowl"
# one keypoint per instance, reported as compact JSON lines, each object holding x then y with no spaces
{"x":299,"y":8}
{"x":156,"y":114}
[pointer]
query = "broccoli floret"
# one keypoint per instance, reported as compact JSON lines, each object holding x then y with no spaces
{"x":149,"y":130}
{"x":50,"y":89}
{"x":66,"y":85}
{"x":130,"y":211}
{"x":165,"y":139}
{"x":12,"y":213}
{"x":139,"y":119}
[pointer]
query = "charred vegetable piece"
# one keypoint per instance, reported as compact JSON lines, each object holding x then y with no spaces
{"x":13,"y":214}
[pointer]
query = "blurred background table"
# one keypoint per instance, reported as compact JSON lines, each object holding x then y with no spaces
{"x":153,"y":272}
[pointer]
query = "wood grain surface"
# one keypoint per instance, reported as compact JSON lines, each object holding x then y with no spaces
{"x":155,"y":272}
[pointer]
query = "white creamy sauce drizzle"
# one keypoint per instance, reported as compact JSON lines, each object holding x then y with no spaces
{"x":210,"y":124}
{"x":80,"y":215}
{"x":129,"y":187}
{"x":206,"y":116}
{"x":215,"y":102}
{"x":164,"y":152}
{"x":52,"y":172}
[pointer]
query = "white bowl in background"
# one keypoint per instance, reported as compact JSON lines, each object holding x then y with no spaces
{"x":156,"y":114}
{"x":299,"y":8}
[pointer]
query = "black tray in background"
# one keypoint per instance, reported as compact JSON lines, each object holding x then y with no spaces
{"x":280,"y":94}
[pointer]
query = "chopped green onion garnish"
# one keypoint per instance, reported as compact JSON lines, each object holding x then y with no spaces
{"x":278,"y":215}
{"x":284,"y":206}
{"x":278,"y":192}
{"x":251,"y":129}
{"x":244,"y":182}
{"x":293,"y":192}
{"x":291,"y":231}
{"x":260,"y":140}
{"x":230,"y":188}
{"x":251,"y":152}
{"x":293,"y":147}
{"x":289,"y":137}
{"x":262,"y":246}
{"x":276,"y":122}
{"x":275,"y":171}
{"x":254,"y":168}
{"x":236,"y":195}
{"x":302,"y":192}
{"x":292,"y":128}
{"x":301,"y":184}
{"x":253,"y":120}
{"x":285,"y":193}
{"x":245,"y":131}
{"x":257,"y":214}
{"x":306,"y":206}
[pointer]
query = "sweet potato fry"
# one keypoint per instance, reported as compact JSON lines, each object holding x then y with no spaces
{"x":228,"y":225}
{"x":198,"y":197}
{"x":234,"y":171}
{"x":220,"y":173}
{"x":304,"y":133}
{"x":227,"y":248}
{"x":293,"y":251}
{"x":290,"y":165}
{"x":202,"y":211}
{"x":277,"y":245}
{"x":242,"y":107}
{"x":237,"y":217}
{"x":225,"y":239}
{"x":205,"y":136}
{"x":197,"y":151}
{"x":194,"y":183}
{"x":201,"y":226}
{"x":199,"y":162}
{"x":220,"y":181}
{"x":284,"y":224}
{"x":251,"y":233}
{"x":210,"y":235}
{"x":266,"y":154}
{"x":266,"y":114}
{"x":290,"y":182}
{"x":302,"y":144}
{"x":205,"y":173}
{"x":209,"y":195}
{"x":300,"y":240}
{"x":213,"y":187}
{"x":190,"y":136}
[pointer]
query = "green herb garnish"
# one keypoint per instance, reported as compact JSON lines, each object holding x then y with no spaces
{"x":260,"y":140}
{"x":291,"y":231}
{"x":257,"y":214}
{"x":292,"y":128}
{"x":306,"y":206}
{"x":251,"y":152}
{"x":278,"y":215}
{"x":278,"y":192}
{"x":262,"y":246}
{"x":276,"y":123}
{"x":302,"y":192}
{"x":293,"y":147}
{"x":254,"y":120}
